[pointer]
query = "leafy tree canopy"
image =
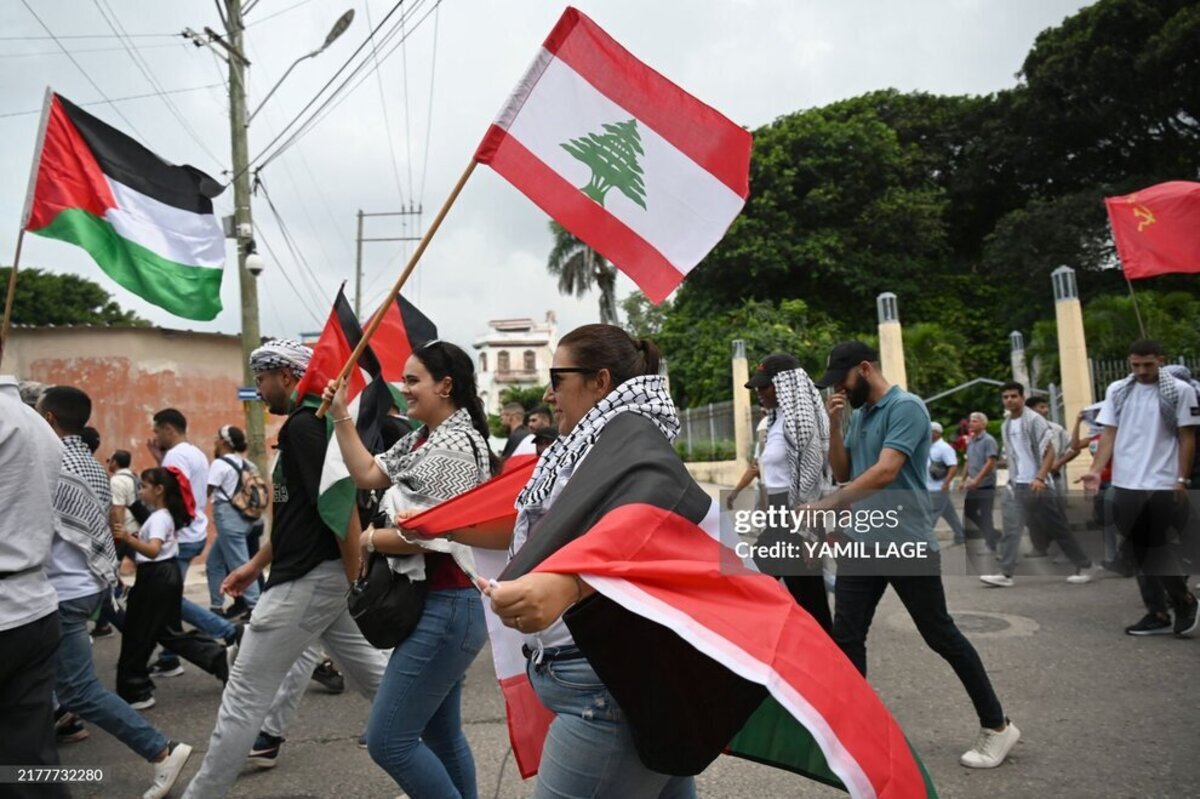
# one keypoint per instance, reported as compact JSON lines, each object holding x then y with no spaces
{"x":44,"y":298}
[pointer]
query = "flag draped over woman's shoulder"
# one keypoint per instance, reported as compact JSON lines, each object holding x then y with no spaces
{"x":702,"y":653}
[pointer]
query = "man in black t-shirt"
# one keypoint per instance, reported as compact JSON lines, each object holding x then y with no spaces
{"x":305,"y":598}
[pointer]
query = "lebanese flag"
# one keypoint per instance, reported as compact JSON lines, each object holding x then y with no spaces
{"x":370,"y":395}
{"x":1157,"y":230}
{"x":703,"y":654}
{"x":632,"y":165}
{"x":147,"y":223}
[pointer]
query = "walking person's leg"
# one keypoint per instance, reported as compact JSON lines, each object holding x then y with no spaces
{"x":192,"y":645}
{"x":216,"y":568}
{"x":291,"y":692}
{"x":1052,"y":510}
{"x":27,"y":704}
{"x":1013,"y":519}
{"x":855,"y":598}
{"x":235,"y":550}
{"x":146,"y":615}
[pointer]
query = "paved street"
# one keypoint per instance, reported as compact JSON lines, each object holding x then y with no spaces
{"x":1102,"y":714}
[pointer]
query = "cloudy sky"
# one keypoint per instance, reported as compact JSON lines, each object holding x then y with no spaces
{"x":393,"y":142}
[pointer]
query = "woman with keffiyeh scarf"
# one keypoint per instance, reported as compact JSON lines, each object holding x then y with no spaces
{"x":415,"y":730}
{"x":794,"y":464}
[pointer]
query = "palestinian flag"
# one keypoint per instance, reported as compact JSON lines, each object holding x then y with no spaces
{"x":147,"y":223}
{"x":702,"y":653}
{"x":632,"y":165}
{"x":371,"y":395}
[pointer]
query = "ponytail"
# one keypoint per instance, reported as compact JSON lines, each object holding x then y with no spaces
{"x":173,"y":499}
{"x":609,"y":347}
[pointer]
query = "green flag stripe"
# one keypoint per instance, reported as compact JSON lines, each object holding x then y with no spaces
{"x":191,"y":292}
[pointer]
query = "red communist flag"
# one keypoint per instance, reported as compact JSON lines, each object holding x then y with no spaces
{"x":1157,"y":230}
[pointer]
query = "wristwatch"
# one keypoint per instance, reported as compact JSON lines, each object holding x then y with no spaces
{"x":1185,"y":480}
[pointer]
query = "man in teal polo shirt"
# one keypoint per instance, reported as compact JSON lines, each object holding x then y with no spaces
{"x":881,"y":459}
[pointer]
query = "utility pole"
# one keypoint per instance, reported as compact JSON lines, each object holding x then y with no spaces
{"x":243,"y":222}
{"x":411,"y":210}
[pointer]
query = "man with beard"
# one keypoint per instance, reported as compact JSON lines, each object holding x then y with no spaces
{"x":882,"y":454}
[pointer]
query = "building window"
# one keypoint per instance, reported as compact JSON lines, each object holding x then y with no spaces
{"x":530,"y":361}
{"x":483,"y":361}
{"x":502,"y":361}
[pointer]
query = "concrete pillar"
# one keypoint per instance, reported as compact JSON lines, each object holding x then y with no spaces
{"x":742,"y":434}
{"x":1072,"y":354}
{"x":1020,"y":367}
{"x":891,"y":340}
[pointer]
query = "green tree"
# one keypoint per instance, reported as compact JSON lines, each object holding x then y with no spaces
{"x":579,"y":268}
{"x":643,"y":318}
{"x":698,"y":348}
{"x":932,"y":356}
{"x":45,"y":298}
{"x":530,"y":397}
{"x":613,"y":159}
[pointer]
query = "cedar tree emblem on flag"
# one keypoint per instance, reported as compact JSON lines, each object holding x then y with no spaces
{"x":588,"y":118}
{"x":147,"y":223}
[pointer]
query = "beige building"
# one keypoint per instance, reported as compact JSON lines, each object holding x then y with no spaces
{"x":516,"y":352}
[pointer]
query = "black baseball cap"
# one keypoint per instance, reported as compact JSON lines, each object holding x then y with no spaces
{"x":771,"y":366}
{"x":844,"y":357}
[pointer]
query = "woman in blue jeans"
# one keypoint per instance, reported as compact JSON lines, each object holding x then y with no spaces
{"x":415,"y":730}
{"x":230,"y":550}
{"x":599,"y":373}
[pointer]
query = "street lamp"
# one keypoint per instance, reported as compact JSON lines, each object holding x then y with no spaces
{"x":337,"y":30}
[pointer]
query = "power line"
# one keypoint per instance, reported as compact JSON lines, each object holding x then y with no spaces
{"x":288,"y":239}
{"x":277,"y":13}
{"x":116,"y":99}
{"x":89,"y":50}
{"x":328,"y":83}
{"x":275,"y":258}
{"x":387,"y":126}
{"x":82,"y":71}
{"x":338,"y":96}
{"x":407,"y":127}
{"x":429,"y":115}
{"x":84,"y":36}
{"x":115,"y":25}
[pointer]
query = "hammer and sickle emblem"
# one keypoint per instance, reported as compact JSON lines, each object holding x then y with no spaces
{"x":1145,"y":217}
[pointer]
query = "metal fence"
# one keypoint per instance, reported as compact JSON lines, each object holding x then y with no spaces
{"x":709,"y":429}
{"x":1106,"y":372}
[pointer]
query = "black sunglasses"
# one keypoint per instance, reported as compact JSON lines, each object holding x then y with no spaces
{"x":556,"y":375}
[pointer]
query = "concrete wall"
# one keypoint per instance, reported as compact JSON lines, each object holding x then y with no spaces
{"x":132,"y":372}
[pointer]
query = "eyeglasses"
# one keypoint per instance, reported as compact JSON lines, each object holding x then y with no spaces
{"x":556,"y":375}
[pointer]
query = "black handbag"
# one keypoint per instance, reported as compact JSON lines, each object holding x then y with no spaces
{"x":385,"y":605}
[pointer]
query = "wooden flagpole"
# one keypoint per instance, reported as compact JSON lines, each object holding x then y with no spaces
{"x":1136,"y":310}
{"x":408,"y":270}
{"x":12,"y":294}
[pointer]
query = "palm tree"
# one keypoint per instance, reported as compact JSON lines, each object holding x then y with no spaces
{"x":579,"y":267}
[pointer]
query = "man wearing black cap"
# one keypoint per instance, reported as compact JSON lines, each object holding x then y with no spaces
{"x":882,"y":454}
{"x":793,"y":466}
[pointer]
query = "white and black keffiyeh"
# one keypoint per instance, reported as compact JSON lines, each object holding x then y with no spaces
{"x":453,"y":459}
{"x":646,"y":395}
{"x":282,"y":353}
{"x":82,"y":500}
{"x":1168,"y":397}
{"x":806,"y":430}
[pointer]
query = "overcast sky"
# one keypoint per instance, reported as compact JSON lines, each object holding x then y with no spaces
{"x":754,"y":60}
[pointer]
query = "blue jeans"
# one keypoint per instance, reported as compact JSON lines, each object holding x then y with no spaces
{"x":80,"y":691}
{"x":228,"y":553}
{"x":202,"y":619}
{"x":589,"y":750}
{"x":415,"y":730}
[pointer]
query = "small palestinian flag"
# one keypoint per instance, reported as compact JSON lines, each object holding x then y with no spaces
{"x":703,"y":654}
{"x":369,"y":389}
{"x":147,"y":223}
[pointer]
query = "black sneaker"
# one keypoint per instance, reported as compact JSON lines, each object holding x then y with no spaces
{"x":265,"y":752}
{"x":104,"y":630}
{"x":238,"y":611}
{"x":329,"y":677}
{"x":1151,"y":624}
{"x":1186,"y":619}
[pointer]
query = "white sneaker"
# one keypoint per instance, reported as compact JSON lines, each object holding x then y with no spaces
{"x":143,"y":704}
{"x":997,"y":580}
{"x":1082,"y":576}
{"x":991,"y":747}
{"x":167,"y":771}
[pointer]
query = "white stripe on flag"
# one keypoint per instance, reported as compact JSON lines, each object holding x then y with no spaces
{"x":176,"y":235}
{"x":687,"y":209}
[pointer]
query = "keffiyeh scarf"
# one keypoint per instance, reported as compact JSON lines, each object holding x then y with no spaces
{"x":806,"y":430}
{"x":1168,"y":397}
{"x":82,"y":500}
{"x":282,"y":353}
{"x":646,"y":395}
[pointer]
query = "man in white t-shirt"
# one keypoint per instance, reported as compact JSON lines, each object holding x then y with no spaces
{"x":1030,"y":450}
{"x":1149,"y":423}
{"x":943,"y":465}
{"x":170,"y":447}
